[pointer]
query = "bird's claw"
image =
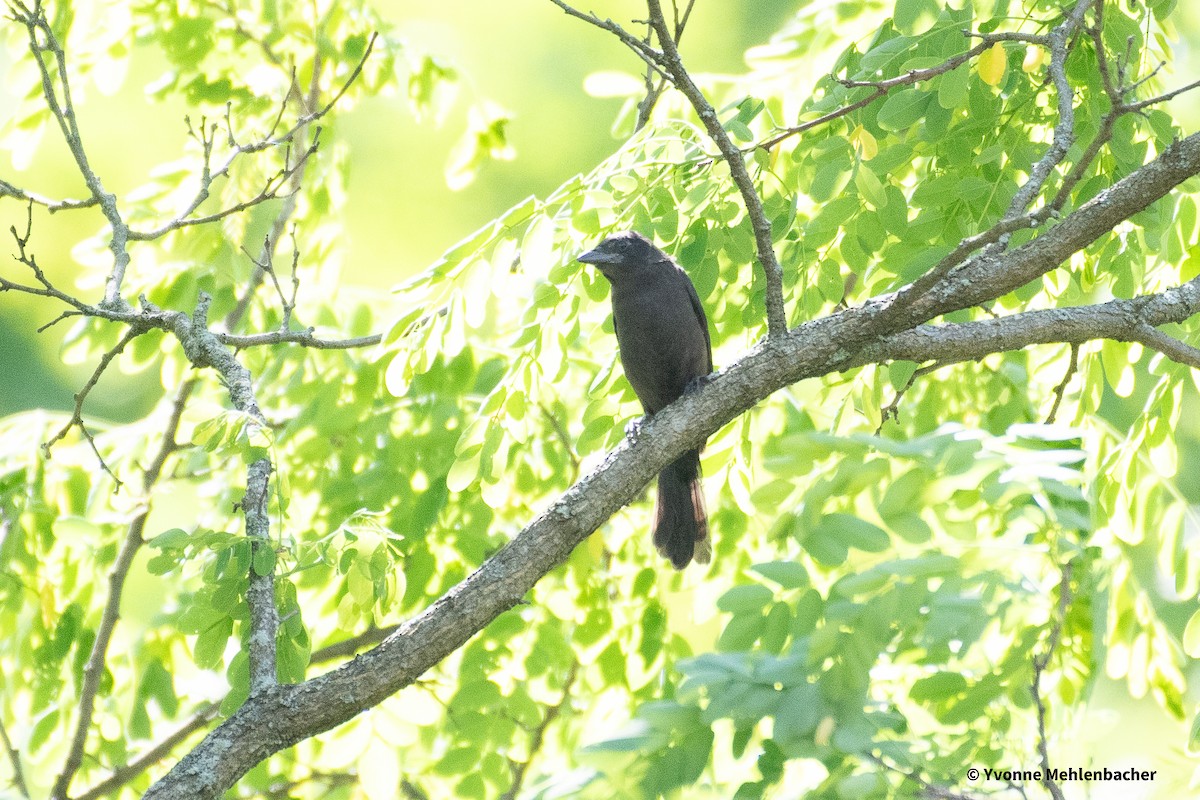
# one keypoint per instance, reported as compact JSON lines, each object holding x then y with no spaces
{"x":633,"y":429}
{"x":699,"y":382}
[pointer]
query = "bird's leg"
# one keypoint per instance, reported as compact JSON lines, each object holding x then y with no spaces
{"x":633,"y":428}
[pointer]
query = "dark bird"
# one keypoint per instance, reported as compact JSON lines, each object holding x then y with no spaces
{"x":662,"y":335}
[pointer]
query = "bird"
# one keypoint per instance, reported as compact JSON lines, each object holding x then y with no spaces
{"x":665,"y":349}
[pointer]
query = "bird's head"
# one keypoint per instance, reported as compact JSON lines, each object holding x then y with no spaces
{"x":622,"y":254}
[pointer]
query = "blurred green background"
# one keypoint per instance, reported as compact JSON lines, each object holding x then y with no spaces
{"x":526,"y":56}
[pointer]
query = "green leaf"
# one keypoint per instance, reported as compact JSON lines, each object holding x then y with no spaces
{"x":903,"y":109}
{"x":786,"y":574}
{"x":740,"y":599}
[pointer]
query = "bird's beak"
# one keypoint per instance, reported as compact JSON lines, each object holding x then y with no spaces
{"x":596,"y":257}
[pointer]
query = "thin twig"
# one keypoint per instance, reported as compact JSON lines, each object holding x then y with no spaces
{"x":80,"y":396}
{"x":564,"y":438}
{"x":1040,"y":662}
{"x":348,"y":647}
{"x":892,"y":409}
{"x":520,"y":768}
{"x":773,"y":273}
{"x":137,"y":765}
{"x":9,"y":190}
{"x":93,"y":670}
{"x":14,"y":756}
{"x":929,"y":790}
{"x":1062,"y":386}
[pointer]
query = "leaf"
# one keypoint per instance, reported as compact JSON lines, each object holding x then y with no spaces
{"x":903,"y":109}
{"x":787,"y":574}
{"x":739,"y":599}
{"x":992,"y":65}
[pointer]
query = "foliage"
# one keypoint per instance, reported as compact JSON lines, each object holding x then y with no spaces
{"x":880,"y":590}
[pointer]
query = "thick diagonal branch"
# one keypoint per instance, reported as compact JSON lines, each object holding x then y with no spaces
{"x":284,"y":715}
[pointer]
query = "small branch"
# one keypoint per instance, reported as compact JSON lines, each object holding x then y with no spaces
{"x":1162,"y":98}
{"x":654,"y":89}
{"x":787,"y":133}
{"x":563,"y":437}
{"x":1169,"y":346}
{"x":348,"y":647}
{"x":271,"y":191}
{"x":77,"y":415}
{"x":286,"y":790}
{"x":9,"y":190}
{"x":928,"y":790}
{"x":304,"y":338}
{"x":653,"y":58}
{"x":882,"y":87}
{"x":93,"y":670}
{"x":139,"y":764}
{"x":521,"y":768}
{"x":1064,"y":129}
{"x":1061,"y":389}
{"x":412,"y":791}
{"x":892,"y":409}
{"x":36,"y":25}
{"x":260,"y":596}
{"x":673,"y":64}
{"x":15,"y":758}
{"x":1040,"y":662}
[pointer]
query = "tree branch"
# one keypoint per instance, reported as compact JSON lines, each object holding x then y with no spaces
{"x":14,"y":758}
{"x":93,"y":670}
{"x":282,"y":715}
{"x":673,"y":64}
{"x":1040,"y":662}
{"x":139,"y":764}
{"x":36,"y":25}
{"x":9,"y":190}
{"x":260,"y":595}
{"x":520,"y":768}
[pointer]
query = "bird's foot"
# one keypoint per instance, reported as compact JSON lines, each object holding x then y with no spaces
{"x":699,"y":382}
{"x":633,"y":429}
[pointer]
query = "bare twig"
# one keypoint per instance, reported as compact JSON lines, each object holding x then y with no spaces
{"x":1040,"y":662}
{"x":673,"y":64}
{"x":412,"y":791}
{"x":304,"y":338}
{"x":652,"y":57}
{"x":1061,"y":388}
{"x":140,"y":763}
{"x":80,"y":396}
{"x":43,"y":41}
{"x":892,"y":409}
{"x":883,"y":86}
{"x":655,"y":82}
{"x":521,"y":768}
{"x":93,"y":670}
{"x":9,"y":190}
{"x":929,"y":790}
{"x":348,"y":647}
{"x":564,"y":438}
{"x":15,"y":758}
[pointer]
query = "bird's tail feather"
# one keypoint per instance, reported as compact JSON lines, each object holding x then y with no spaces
{"x":680,"y":521}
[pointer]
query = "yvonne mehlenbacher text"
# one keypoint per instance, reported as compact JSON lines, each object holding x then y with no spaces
{"x":1070,"y":774}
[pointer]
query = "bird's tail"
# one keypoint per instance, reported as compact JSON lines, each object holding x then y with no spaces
{"x":680,"y":522}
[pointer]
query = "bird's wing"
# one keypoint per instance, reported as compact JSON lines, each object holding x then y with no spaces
{"x":700,"y":317}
